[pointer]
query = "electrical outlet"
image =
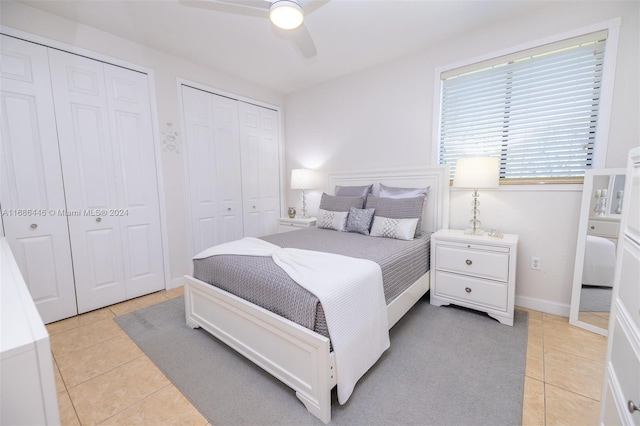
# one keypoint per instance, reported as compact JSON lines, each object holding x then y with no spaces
{"x":535,"y":262}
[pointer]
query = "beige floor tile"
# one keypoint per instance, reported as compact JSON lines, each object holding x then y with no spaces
{"x":534,"y":366}
{"x":64,"y":343}
{"x":567,"y":408}
{"x":165,"y":407}
{"x":561,"y":336}
{"x":104,"y":396}
{"x":594,"y":319}
{"x":79,"y":321}
{"x":533,"y":402}
{"x":138,"y":303}
{"x":535,"y":353}
{"x":174,"y":292}
{"x":574,"y":373}
{"x":60,"y":386}
{"x":85,"y":364}
{"x":68,"y":414}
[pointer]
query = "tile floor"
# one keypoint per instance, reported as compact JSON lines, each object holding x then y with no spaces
{"x":103,"y":378}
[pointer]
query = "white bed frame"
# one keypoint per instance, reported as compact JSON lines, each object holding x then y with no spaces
{"x":295,"y":355}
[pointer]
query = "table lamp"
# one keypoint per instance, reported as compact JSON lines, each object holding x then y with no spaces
{"x":303,"y":179}
{"x":475,"y":173}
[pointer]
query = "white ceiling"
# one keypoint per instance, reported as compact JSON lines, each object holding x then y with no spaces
{"x":350,"y":35}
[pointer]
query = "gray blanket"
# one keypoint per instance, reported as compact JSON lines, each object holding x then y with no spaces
{"x":260,"y":281}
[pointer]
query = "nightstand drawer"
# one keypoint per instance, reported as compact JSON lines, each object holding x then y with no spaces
{"x":480,"y":263}
{"x":603,"y":228}
{"x":472,"y":290}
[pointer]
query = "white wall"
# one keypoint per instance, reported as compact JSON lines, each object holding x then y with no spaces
{"x":166,"y":69}
{"x":382,"y":117}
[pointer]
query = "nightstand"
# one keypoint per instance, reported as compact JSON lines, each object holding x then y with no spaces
{"x":474,"y":271}
{"x":286,"y":224}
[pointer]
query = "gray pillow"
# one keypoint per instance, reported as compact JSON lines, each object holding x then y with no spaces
{"x":393,"y":192}
{"x":359,"y":220}
{"x":398,"y":208}
{"x":353,"y":191}
{"x":340,"y":204}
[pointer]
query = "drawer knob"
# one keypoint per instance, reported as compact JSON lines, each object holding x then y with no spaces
{"x":468,"y":262}
{"x":468,"y":289}
{"x":632,"y":407}
{"x":593,"y":227}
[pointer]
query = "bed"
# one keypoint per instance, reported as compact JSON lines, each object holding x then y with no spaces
{"x":299,"y":356}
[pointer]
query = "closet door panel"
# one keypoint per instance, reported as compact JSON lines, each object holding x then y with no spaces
{"x":213,"y":160}
{"x":260,"y":169}
{"x":87,"y":154}
{"x":32,"y":193}
{"x":227,"y":167}
{"x":137,"y":188}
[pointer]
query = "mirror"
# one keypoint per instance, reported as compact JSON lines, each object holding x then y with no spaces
{"x":602,"y":203}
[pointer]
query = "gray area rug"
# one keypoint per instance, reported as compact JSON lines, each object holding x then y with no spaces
{"x":446,"y":366}
{"x":595,"y":299}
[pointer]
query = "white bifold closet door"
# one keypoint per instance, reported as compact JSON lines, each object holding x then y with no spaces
{"x":106,"y":147}
{"x":233,"y":168}
{"x":32,"y":193}
{"x":213,"y":161}
{"x":260,"y":153}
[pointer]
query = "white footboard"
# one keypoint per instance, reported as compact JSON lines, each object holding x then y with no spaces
{"x":295,"y":355}
{"x":298,"y":357}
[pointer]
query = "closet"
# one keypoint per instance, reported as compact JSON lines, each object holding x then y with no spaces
{"x":79,"y":185}
{"x":233,"y":168}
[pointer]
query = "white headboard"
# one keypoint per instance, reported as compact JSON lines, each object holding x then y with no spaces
{"x":435,"y":214}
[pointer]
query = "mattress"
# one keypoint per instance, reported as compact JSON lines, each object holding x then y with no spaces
{"x":260,"y":281}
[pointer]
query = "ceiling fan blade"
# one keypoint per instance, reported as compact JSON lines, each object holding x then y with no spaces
{"x":310,"y":5}
{"x":304,"y":42}
{"x":258,"y":8}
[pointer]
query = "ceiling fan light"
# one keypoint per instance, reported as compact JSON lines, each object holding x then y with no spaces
{"x":286,"y":14}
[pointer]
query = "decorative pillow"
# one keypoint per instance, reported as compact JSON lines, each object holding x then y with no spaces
{"x":400,"y":229}
{"x":398,"y":208}
{"x":359,"y":220}
{"x":340,"y":204}
{"x":353,"y":191}
{"x":332,"y":220}
{"x":393,"y":192}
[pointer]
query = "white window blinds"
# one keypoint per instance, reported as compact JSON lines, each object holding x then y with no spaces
{"x":536,"y":110}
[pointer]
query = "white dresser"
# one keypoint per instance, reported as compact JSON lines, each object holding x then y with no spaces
{"x":27,"y":383}
{"x":474,"y":271}
{"x":620,"y":402}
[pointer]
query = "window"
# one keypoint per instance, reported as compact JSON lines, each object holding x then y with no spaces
{"x":537,"y":110}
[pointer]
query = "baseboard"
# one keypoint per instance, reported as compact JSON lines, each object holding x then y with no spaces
{"x":176,"y":282}
{"x":542,"y":305}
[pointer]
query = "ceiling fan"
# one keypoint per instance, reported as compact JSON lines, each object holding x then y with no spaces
{"x":287,"y":15}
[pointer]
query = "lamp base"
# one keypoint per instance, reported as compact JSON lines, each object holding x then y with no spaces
{"x":472,"y":231}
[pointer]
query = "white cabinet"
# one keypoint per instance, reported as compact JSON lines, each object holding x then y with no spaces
{"x":287,"y":224}
{"x":89,"y":173}
{"x":27,"y":382}
{"x":477,"y":272}
{"x":232,"y":167}
{"x":620,"y":402}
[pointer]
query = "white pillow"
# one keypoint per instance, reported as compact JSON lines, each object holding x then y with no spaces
{"x":332,"y":220}
{"x":400,"y":229}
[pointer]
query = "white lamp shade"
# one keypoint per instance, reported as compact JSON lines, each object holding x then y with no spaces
{"x":286,"y":14}
{"x":303,"y":179}
{"x":477,"y":172}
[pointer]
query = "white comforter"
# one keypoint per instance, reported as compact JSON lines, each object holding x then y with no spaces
{"x":352,"y":298}
{"x":599,"y":262}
